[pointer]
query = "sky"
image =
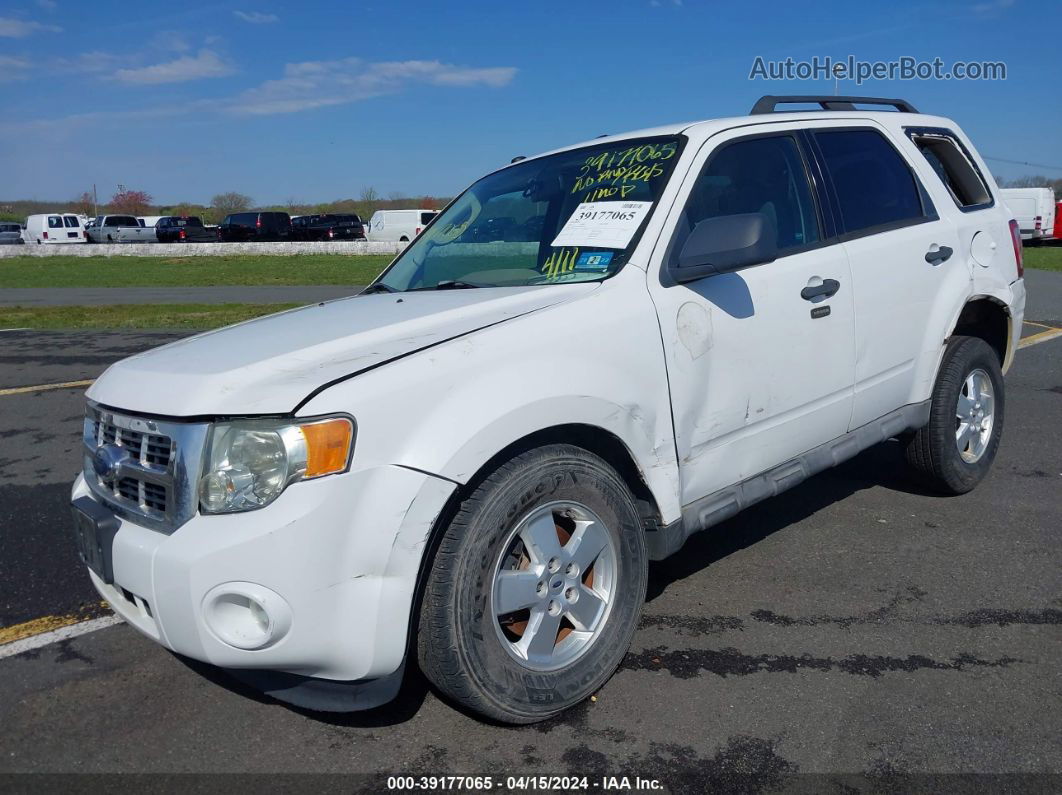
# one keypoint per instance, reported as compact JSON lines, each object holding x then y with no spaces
{"x":314,"y":101}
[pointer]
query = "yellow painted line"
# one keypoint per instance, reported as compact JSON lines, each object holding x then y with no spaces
{"x":1034,"y":323}
{"x":22,"y":390}
{"x":1043,"y":336}
{"x":37,"y":626}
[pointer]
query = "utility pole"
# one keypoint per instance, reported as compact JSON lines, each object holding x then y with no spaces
{"x":95,"y":208}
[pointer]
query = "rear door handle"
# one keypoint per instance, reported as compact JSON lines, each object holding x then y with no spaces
{"x":939,"y":255}
{"x":827,"y":288}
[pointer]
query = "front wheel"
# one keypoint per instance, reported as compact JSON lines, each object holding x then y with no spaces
{"x":955,"y":450}
{"x":536,"y":587}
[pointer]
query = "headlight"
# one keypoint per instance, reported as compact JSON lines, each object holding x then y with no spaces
{"x":249,"y":463}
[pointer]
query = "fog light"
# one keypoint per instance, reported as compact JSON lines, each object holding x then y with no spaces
{"x":246,"y":616}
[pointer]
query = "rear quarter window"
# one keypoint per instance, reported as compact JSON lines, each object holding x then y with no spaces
{"x":954,"y":166}
{"x":875,"y":188}
{"x":55,"y":222}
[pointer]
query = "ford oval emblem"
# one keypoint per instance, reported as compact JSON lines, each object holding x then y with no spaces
{"x":107,"y":460}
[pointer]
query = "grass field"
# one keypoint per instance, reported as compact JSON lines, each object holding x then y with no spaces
{"x":1048,"y":258}
{"x":305,"y":269}
{"x":124,"y":316}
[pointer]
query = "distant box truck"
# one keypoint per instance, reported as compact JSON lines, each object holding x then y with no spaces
{"x":1034,"y":210}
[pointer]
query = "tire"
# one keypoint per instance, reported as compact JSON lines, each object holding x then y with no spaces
{"x":969,"y":364}
{"x":463,"y":647}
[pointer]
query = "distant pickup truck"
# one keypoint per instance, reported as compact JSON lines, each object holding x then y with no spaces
{"x":328,"y":226}
{"x":113,"y":229}
{"x":183,"y":229}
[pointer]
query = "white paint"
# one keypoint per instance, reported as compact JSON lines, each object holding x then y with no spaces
{"x":57,"y":635}
{"x":270,"y":364}
{"x":694,"y":324}
{"x":440,"y":381}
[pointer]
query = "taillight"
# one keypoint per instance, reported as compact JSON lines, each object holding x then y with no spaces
{"x":258,"y":223}
{"x":1015,"y":238}
{"x":84,"y":233}
{"x":331,"y":232}
{"x":1038,"y":222}
{"x":418,"y":231}
{"x":181,"y":234}
{"x":45,"y":235}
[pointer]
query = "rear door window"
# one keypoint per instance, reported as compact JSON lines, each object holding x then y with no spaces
{"x":425,"y":218}
{"x":875,"y":188}
{"x":71,"y":221}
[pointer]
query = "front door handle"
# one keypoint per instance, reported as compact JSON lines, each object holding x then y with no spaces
{"x":938,"y":255}
{"x":826,"y":289}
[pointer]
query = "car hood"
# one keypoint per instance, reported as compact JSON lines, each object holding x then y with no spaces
{"x":271,"y":364}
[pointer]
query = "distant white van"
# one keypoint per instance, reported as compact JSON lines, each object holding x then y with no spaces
{"x":54,"y":228}
{"x":398,"y":226}
{"x":1034,"y":210}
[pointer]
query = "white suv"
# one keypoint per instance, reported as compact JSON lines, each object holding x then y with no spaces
{"x":588,"y":356}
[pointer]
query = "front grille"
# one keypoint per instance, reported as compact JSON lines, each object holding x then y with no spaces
{"x":143,"y":469}
{"x":148,"y":447}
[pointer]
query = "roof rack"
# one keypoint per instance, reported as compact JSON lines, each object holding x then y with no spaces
{"x":767,"y":103}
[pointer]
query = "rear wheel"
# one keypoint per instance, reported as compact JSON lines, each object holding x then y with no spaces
{"x":955,"y":450}
{"x":536,"y":587}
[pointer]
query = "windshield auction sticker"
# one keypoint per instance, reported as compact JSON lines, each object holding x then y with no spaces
{"x":603,"y":224}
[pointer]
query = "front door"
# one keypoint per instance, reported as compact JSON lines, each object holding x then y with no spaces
{"x":760,"y":361}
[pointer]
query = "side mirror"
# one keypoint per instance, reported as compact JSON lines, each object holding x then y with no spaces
{"x":726,"y":243}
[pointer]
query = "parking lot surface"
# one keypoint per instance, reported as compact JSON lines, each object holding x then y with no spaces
{"x":855,"y":625}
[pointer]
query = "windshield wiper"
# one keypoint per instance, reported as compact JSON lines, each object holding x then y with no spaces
{"x":451,"y":284}
{"x":379,"y":287}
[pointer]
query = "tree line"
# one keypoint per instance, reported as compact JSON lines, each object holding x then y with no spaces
{"x":138,"y":202}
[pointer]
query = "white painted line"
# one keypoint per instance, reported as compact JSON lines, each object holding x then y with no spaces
{"x":23,"y":328}
{"x":1043,"y":336}
{"x":57,"y":635}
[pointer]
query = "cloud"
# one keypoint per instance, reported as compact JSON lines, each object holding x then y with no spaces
{"x":20,"y":28}
{"x":992,"y":7}
{"x":47,"y":5}
{"x":314,"y":84}
{"x":89,"y":62}
{"x":206,"y":63}
{"x":12,"y":68}
{"x":304,"y":86}
{"x":170,"y":41}
{"x":255,"y":17}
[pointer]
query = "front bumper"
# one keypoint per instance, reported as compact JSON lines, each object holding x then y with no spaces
{"x":342,"y":553}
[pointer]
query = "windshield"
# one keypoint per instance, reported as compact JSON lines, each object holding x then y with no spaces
{"x":573,"y":216}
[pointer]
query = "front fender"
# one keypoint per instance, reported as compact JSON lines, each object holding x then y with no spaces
{"x":595,"y":360}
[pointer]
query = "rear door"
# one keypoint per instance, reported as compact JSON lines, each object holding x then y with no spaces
{"x":760,"y":361}
{"x":74,"y":230}
{"x":902,"y":255}
{"x":55,"y":231}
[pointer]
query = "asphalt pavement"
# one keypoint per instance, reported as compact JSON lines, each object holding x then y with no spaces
{"x":854,"y":632}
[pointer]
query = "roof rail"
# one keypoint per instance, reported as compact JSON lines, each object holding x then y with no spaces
{"x":767,"y":103}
